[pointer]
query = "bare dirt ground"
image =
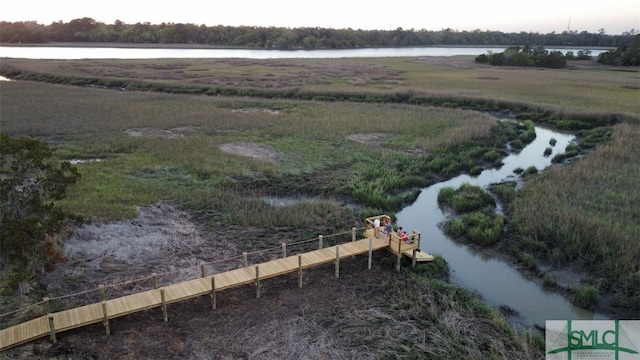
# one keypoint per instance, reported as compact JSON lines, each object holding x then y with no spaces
{"x":285,"y":323}
{"x":253,"y":150}
{"x":372,"y":139}
{"x":169,"y":134}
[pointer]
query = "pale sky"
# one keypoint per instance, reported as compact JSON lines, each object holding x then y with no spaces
{"x":544,"y":16}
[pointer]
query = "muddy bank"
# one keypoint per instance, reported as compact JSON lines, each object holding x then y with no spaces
{"x":362,"y":314}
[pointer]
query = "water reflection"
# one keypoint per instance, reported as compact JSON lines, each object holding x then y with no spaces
{"x":71,"y":52}
{"x":494,"y":279}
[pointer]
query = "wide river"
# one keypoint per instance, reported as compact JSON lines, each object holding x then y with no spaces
{"x":74,"y":53}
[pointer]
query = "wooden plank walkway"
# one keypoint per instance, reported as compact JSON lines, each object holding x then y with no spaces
{"x":113,"y":308}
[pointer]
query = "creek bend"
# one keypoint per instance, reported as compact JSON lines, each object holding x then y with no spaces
{"x":494,"y":279}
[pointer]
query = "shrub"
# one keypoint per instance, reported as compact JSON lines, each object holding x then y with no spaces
{"x":527,"y":136}
{"x":558,"y":158}
{"x":475,"y":171}
{"x":572,"y":149}
{"x":492,"y":156}
{"x":466,"y":199}
{"x":528,"y":260}
{"x":477,"y":227}
{"x":446,"y":194}
{"x":517,"y":144}
{"x":456,"y":228}
{"x":438,"y":268}
{"x":586,"y":296}
{"x":548,"y":280}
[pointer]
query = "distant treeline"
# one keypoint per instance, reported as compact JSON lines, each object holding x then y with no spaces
{"x":89,"y":30}
{"x":625,"y":55}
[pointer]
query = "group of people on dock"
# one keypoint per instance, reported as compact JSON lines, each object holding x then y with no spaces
{"x":388,"y":229}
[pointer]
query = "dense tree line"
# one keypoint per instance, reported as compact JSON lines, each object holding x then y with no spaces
{"x":626,"y":55}
{"x":89,"y":30}
{"x":526,"y":56}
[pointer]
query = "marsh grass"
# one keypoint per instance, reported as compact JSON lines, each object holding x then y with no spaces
{"x":548,"y":280}
{"x":593,"y":225}
{"x":467,"y":198}
{"x":452,"y":320}
{"x":481,"y":228}
{"x":586,"y":296}
{"x":87,"y":123}
{"x":581,"y":97}
{"x":505,"y":192}
{"x":477,"y":222}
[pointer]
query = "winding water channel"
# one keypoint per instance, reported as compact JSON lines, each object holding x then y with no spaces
{"x":497,"y":282}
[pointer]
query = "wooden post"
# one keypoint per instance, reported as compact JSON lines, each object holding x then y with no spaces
{"x":202,"y":270}
{"x":257,"y":282}
{"x":155,"y":280}
{"x":47,"y":305}
{"x":370,"y":252}
{"x":284,"y":250}
{"x":245,"y":259}
{"x":103,"y":296}
{"x":52,"y":330}
{"x":353,"y":237}
{"x":105,"y":318}
{"x":413,"y":258}
{"x":165,"y":316}
{"x":300,"y":271}
{"x":320,"y":242}
{"x":399,"y":255}
{"x":213,"y":292}
{"x":337,"y":261}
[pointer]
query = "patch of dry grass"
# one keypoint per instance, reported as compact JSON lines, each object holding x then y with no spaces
{"x":584,"y":88}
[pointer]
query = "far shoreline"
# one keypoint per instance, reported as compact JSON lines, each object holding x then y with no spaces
{"x":205,"y":46}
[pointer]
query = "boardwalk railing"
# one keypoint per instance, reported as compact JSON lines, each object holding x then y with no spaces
{"x":55,"y":322}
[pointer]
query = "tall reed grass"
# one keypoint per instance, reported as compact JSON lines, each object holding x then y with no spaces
{"x":595,"y":224}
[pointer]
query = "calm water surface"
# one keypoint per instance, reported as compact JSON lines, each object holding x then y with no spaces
{"x":71,"y":53}
{"x":494,"y":279}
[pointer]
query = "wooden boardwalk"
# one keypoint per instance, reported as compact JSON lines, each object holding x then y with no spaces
{"x":54,"y":323}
